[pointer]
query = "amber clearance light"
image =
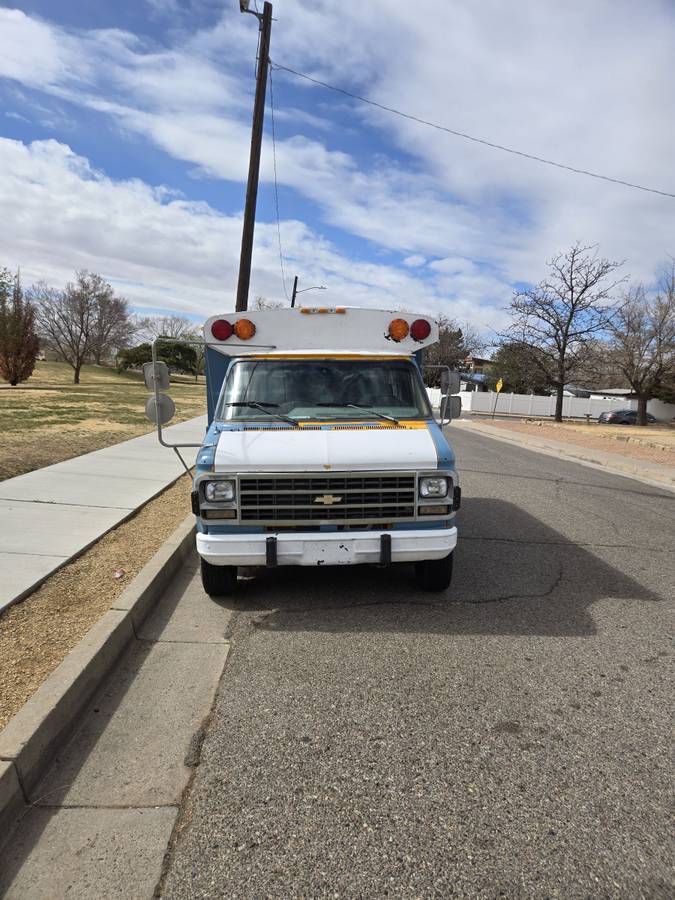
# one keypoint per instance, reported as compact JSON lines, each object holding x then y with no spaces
{"x":398,"y":329}
{"x":244,"y":329}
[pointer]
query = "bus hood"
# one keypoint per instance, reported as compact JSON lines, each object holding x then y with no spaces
{"x":338,"y":449}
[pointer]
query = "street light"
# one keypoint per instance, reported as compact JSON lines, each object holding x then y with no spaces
{"x":244,"y":7}
{"x":315,"y":287}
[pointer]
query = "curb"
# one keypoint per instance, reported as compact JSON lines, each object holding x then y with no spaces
{"x":573,"y":454}
{"x":47,"y":720}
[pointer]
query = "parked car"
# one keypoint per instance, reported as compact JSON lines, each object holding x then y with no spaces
{"x":622,"y":417}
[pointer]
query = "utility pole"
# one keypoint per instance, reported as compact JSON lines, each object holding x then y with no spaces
{"x":265,"y":26}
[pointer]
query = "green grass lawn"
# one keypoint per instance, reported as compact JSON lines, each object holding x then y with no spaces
{"x":48,"y":418}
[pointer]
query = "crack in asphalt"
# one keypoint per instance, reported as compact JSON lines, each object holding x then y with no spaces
{"x":256,"y":621}
{"x":582,"y":484}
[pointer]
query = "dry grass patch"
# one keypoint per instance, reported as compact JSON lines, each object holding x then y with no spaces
{"x":49,"y":419}
{"x":37,"y":633}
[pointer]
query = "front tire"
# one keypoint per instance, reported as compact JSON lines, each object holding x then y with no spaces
{"x":218,"y":581}
{"x":434,"y":574}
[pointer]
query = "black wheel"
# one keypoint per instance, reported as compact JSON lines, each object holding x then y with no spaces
{"x":218,"y":581}
{"x":434,"y":574}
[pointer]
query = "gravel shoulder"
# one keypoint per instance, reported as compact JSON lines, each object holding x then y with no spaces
{"x":37,"y":633}
{"x":655,"y":445}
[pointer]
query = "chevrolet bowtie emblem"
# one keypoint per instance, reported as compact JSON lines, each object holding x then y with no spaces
{"x":327,"y":499}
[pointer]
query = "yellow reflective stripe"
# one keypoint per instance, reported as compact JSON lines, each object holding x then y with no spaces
{"x":324,"y":355}
{"x":410,"y":425}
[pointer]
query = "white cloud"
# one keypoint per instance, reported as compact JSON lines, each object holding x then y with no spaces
{"x":33,"y":52}
{"x":60,"y":214}
{"x":588,"y":84}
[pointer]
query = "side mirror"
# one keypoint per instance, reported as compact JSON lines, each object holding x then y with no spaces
{"x":449,"y":382}
{"x":161,"y":409}
{"x":156,"y":372}
{"x":451,"y":408}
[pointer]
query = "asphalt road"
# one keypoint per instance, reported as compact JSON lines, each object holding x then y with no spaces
{"x":509,"y":739}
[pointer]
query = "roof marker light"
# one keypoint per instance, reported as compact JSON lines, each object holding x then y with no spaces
{"x":398,"y":329}
{"x":420,"y":330}
{"x":221,"y":329}
{"x":311,"y":310}
{"x":244,"y":329}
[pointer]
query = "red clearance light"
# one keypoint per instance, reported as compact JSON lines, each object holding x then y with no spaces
{"x":244,"y":329}
{"x":221,"y":330}
{"x":420,"y":330}
{"x":398,"y":329}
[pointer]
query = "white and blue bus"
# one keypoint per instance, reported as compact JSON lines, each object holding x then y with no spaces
{"x":322,"y":447}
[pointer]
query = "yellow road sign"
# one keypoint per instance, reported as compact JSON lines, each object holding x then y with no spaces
{"x":499,"y":385}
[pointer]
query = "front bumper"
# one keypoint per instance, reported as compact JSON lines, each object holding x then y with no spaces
{"x":332,"y":548}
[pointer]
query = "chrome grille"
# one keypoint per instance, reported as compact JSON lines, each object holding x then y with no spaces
{"x":349,"y":498}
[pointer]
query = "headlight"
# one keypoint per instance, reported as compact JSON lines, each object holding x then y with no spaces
{"x":215,"y":491}
{"x":434,"y":487}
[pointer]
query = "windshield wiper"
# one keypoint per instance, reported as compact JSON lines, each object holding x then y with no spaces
{"x":254,"y":404}
{"x":373,"y":412}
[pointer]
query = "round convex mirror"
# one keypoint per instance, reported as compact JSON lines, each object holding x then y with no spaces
{"x":161,"y":411}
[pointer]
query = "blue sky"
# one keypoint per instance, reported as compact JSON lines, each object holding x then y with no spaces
{"x":124,"y":131}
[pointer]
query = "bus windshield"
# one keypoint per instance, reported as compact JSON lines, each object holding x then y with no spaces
{"x":323,"y":389}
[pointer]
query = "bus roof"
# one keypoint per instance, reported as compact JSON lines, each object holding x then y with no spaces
{"x":318,"y":330}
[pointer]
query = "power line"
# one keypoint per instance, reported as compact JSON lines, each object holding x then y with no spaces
{"x":467,"y":137}
{"x":276,"y":188}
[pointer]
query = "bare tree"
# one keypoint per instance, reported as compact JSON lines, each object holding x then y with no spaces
{"x":113,"y":327}
{"x":174,"y":327}
{"x":642,"y":344}
{"x":66,"y":319}
{"x":562,"y":316}
{"x":263,"y":303}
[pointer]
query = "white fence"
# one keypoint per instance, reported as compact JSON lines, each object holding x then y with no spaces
{"x":531,"y":405}
{"x":434,"y":397}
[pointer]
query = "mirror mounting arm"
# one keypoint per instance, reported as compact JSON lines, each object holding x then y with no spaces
{"x":160,"y":437}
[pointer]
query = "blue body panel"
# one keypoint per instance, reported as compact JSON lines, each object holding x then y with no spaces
{"x":444,"y":452}
{"x":215,"y":366}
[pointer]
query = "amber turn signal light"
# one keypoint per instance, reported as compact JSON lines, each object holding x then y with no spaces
{"x":398,"y":329}
{"x":244,"y":329}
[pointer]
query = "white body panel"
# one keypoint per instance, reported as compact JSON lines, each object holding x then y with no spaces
{"x":299,"y":450}
{"x":290,"y":331}
{"x":328,"y":548}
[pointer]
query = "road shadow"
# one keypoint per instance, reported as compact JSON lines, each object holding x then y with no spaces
{"x":513,"y":575}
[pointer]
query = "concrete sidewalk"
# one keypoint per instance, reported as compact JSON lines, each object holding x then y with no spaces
{"x":99,"y":823}
{"x":51,"y":515}
{"x":648,"y":472}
